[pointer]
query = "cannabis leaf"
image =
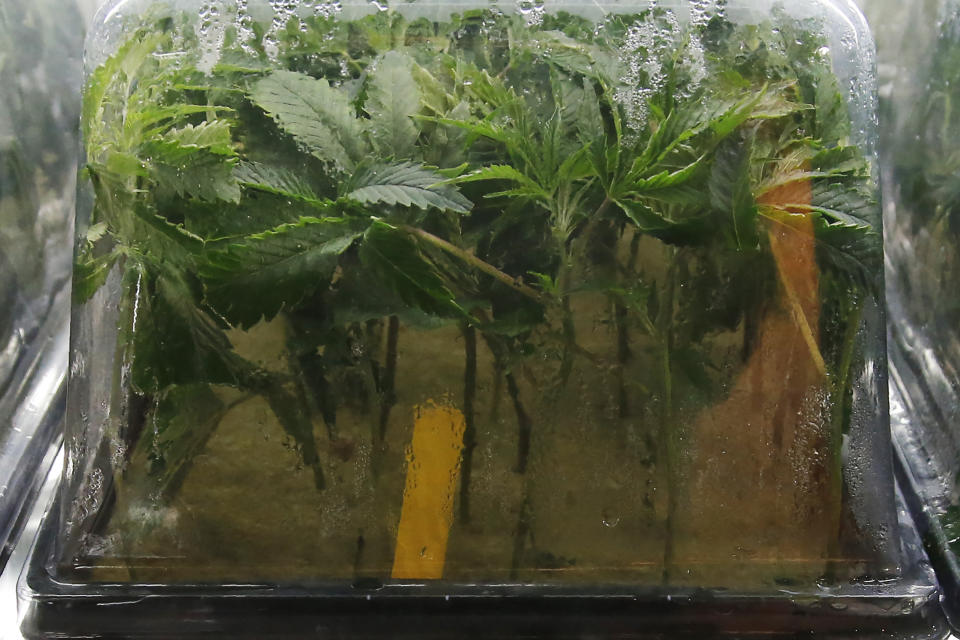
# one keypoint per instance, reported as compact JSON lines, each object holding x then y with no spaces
{"x":174,"y":341}
{"x":392,"y":100}
{"x":213,"y":135}
{"x":406,"y":184}
{"x":731,"y":191}
{"x":183,"y":420}
{"x":525,"y":186}
{"x":256,"y":277}
{"x":90,"y":273}
{"x":200,"y":174}
{"x":278,"y":181}
{"x":398,"y":261}
{"x":314,"y":113}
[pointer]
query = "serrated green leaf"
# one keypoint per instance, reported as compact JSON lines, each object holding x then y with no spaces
{"x":670,"y":186}
{"x":214,"y":136}
{"x":392,"y":98}
{"x":278,"y":181}
{"x":730,"y":191}
{"x":318,"y":116}
{"x":90,"y":273}
{"x":526,"y":186}
{"x":181,"y":423}
{"x":406,"y":184}
{"x":123,"y":165}
{"x":396,"y":259}
{"x":174,"y":341}
{"x":98,"y":91}
{"x":257,"y":277}
{"x":656,"y":224}
{"x":199,"y":174}
{"x":294,"y":417}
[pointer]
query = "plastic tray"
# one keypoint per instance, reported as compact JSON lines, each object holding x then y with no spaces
{"x":904,"y":608}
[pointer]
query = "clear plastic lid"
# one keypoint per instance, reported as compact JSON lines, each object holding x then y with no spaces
{"x":543,"y":293}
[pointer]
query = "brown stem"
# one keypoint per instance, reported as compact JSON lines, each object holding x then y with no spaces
{"x":524,"y":423}
{"x":358,"y":554}
{"x":595,"y":219}
{"x":520,"y":538}
{"x":667,"y":435}
{"x":624,"y":354}
{"x":623,"y":357}
{"x":470,"y":430}
{"x":388,"y":392}
{"x":514,"y":283}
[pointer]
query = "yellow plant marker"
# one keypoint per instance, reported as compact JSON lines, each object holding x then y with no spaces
{"x":433,"y":469}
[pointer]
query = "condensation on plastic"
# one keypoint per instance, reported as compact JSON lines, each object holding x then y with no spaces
{"x":40,"y":63}
{"x":96,"y":452}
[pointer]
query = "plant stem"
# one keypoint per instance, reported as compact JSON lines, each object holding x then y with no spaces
{"x":624,"y":354}
{"x":666,"y":434}
{"x":524,"y":423}
{"x":520,"y":535}
{"x":623,"y":358}
{"x":796,"y":310}
{"x":308,"y":371}
{"x":595,"y":219}
{"x":839,"y":394}
{"x":564,"y":286}
{"x":525,"y":426}
{"x":358,"y":554}
{"x":514,"y":283}
{"x":667,"y":427}
{"x":569,"y":326}
{"x":470,"y":430}
{"x":388,"y":392}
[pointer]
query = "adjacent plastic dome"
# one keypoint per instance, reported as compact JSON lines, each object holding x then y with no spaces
{"x":920,"y":134}
{"x":552,"y":294}
{"x":40,"y":51}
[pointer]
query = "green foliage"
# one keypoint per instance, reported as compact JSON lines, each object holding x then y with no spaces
{"x":392,"y":101}
{"x":400,"y":263}
{"x":318,"y":116}
{"x":464,"y":172}
{"x":255,"y":279}
{"x":405,"y":184}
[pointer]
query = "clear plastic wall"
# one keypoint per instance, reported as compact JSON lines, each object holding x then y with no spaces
{"x":552,"y":293}
{"x":41,"y":44}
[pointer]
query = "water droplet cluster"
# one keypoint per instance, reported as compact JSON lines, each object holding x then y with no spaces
{"x":647,"y":43}
{"x":653,"y":40}
{"x":283,"y":11}
{"x":211,"y":30}
{"x":322,"y":8}
{"x":244,"y":26}
{"x":702,"y":11}
{"x":532,"y":11}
